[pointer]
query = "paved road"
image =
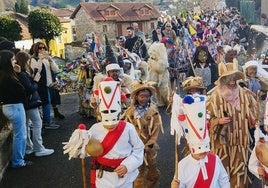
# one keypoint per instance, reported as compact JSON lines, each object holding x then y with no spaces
{"x":56,"y":171}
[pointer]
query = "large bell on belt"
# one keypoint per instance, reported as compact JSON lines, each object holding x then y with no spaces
{"x":94,"y":147}
{"x":262,"y":152}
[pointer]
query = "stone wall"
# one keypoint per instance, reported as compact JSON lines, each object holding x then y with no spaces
{"x":5,"y":149}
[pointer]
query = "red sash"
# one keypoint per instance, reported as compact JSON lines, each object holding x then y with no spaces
{"x":210,"y":167}
{"x":107,"y":143}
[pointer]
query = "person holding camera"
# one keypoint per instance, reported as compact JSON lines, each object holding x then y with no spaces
{"x":42,"y":61}
{"x":29,"y":79}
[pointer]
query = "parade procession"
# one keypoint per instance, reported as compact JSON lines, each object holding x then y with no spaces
{"x":134,"y":95}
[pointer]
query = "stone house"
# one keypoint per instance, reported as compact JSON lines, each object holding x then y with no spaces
{"x":112,"y":18}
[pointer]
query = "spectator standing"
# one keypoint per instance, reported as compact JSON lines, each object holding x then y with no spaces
{"x":243,"y":33}
{"x":137,"y":31}
{"x":29,"y":79}
{"x":46,"y":67}
{"x":135,"y":44}
{"x":157,"y":34}
{"x":169,"y":32}
{"x":12,"y":97}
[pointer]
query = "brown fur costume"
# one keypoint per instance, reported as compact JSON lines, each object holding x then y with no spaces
{"x":158,"y":72}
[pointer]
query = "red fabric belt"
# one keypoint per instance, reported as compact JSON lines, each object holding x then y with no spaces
{"x":108,"y":143}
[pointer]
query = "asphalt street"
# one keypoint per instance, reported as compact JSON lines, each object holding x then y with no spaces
{"x":56,"y":171}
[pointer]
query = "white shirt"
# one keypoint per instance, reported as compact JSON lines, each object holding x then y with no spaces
{"x":188,"y":170}
{"x":254,"y":163}
{"x":130,"y":146}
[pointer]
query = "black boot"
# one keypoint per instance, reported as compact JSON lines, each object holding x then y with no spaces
{"x":57,"y":114}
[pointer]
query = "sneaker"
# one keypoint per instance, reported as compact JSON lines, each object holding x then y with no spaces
{"x":25,"y":164}
{"x":45,"y":152}
{"x":29,"y":152}
{"x":52,"y":125}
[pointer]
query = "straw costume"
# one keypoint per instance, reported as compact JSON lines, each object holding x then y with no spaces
{"x":147,"y":121}
{"x":232,"y":112}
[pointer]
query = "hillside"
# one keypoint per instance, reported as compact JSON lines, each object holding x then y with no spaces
{"x":6,"y":5}
{"x":9,"y":4}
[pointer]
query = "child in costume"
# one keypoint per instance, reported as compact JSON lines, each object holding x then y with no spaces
{"x":200,"y":168}
{"x":115,"y":146}
{"x":145,"y":117}
{"x":258,"y":161}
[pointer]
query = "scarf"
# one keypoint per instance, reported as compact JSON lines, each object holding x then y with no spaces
{"x":230,"y":95}
{"x":139,"y":110}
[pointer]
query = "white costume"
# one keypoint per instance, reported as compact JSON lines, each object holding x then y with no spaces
{"x":254,"y":164}
{"x":200,"y":168}
{"x":128,"y":145}
{"x":188,"y":170}
{"x":113,"y":144}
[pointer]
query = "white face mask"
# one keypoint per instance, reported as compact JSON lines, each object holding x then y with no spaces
{"x":110,"y":102}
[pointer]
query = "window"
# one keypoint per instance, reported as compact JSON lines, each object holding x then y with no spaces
{"x":107,"y":12}
{"x":112,"y":12}
{"x":141,"y":12}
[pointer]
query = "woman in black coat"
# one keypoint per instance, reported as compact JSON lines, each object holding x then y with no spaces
{"x":29,"y":79}
{"x":157,"y":34}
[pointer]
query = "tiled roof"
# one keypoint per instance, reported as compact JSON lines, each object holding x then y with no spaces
{"x":62,"y":12}
{"x":126,"y":11}
{"x":22,"y":20}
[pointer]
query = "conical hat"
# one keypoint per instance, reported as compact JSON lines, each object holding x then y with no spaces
{"x":227,"y":69}
{"x":192,"y":118}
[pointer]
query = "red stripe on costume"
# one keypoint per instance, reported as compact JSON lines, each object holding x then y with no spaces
{"x":110,"y":103}
{"x":108,"y":143}
{"x":210,"y":167}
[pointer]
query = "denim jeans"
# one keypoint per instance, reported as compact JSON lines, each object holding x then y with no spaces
{"x":46,"y":109}
{"x":16,"y":114}
{"x":34,"y":125}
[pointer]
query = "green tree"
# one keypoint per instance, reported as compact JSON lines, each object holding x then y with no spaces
{"x":10,"y":28}
{"x":24,"y":7}
{"x":44,"y":25}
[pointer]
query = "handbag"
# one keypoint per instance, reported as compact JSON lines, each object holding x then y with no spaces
{"x":33,"y":101}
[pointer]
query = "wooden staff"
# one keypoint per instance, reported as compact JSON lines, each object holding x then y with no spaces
{"x":176,"y":156}
{"x":169,"y":107}
{"x":190,"y":59}
{"x":84,"y":173}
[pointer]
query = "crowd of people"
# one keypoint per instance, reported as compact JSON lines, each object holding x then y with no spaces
{"x":205,"y":53}
{"x":27,"y":83}
{"x":208,"y":55}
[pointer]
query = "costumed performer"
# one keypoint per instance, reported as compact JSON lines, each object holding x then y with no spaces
{"x":200,"y":168}
{"x":144,"y":115}
{"x":115,"y":146}
{"x":258,"y":161}
{"x":233,"y":111}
